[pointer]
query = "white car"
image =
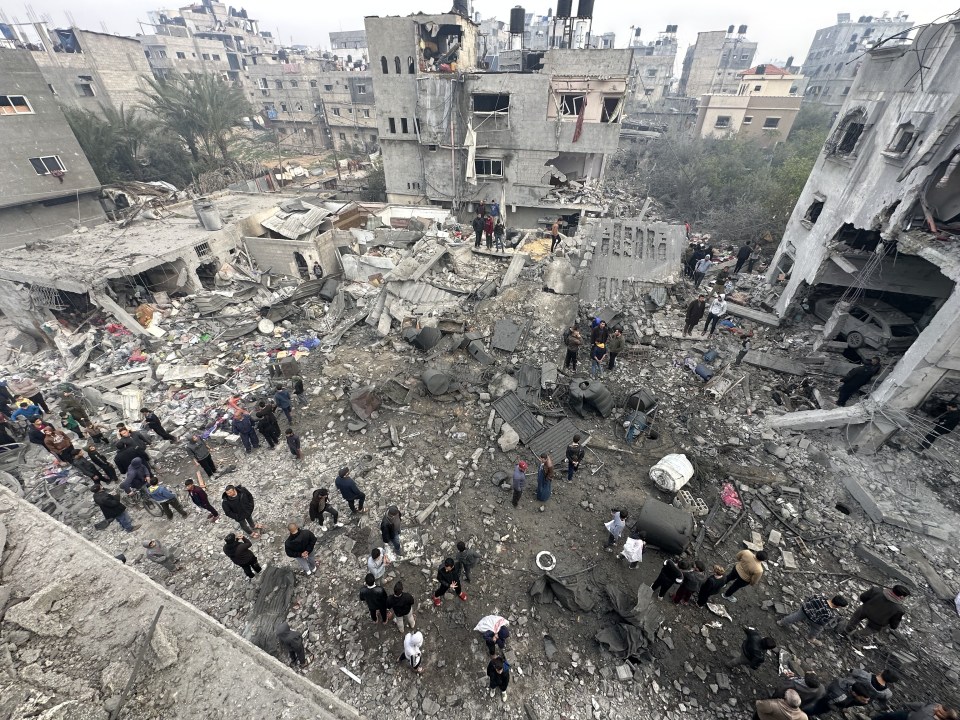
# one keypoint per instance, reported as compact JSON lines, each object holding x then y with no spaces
{"x":870,"y":323}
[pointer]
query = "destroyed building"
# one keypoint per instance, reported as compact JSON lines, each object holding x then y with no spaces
{"x":651,"y":73}
{"x":713,"y":63}
{"x":47,"y":187}
{"x":536,"y":141}
{"x":877,"y":226}
{"x":350,"y":46}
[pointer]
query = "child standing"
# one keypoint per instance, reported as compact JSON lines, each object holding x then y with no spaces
{"x":669,"y":574}
{"x":712,"y":585}
{"x":633,"y":548}
{"x":293,"y":442}
{"x":615,"y":527}
{"x":693,"y":577}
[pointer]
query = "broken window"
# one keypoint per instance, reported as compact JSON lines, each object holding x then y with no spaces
{"x":847,"y":135}
{"x":411,"y":68}
{"x":336,"y":111}
{"x":493,"y":110}
{"x":902,"y":143}
{"x":263,"y":83}
{"x":396,"y":64}
{"x":343,"y":136}
{"x":747,"y":119}
{"x":216,"y":57}
{"x":384,"y":68}
{"x":857,"y":239}
{"x":723,"y":121}
{"x":488,"y":167}
{"x":283,"y":106}
{"x":181,"y":56}
{"x":14,"y":105}
{"x":279,"y":84}
{"x":571,"y":105}
{"x":85,"y":90}
{"x":313,"y":83}
{"x":403,"y":126}
{"x":612,"y":109}
{"x":294,"y":83}
{"x":48,"y":165}
{"x":393,"y":125}
{"x":328,"y":88}
{"x":771,"y":123}
{"x":813,"y":212}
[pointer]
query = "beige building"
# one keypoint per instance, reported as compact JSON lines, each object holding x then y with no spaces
{"x":764,"y":108}
{"x":713,"y":63}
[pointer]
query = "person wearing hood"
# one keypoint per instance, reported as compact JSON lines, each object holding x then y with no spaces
{"x":319,"y":505}
{"x":165,"y":498}
{"x":238,"y":505}
{"x":237,"y":548}
{"x":412,"y":650}
{"x":299,"y":545}
{"x":718,"y":308}
{"x":632,"y":550}
{"x":376,"y":599}
{"x":495,"y":630}
{"x":390,"y":528}
{"x":700,"y":270}
{"x":349,"y":490}
{"x":267,"y":423}
{"x":152,"y":421}
{"x":291,"y":642}
{"x":878,"y":684}
{"x":127,"y":454}
{"x":753,"y":651}
{"x":200,"y":452}
{"x":615,"y":527}
{"x":544,"y":478}
{"x":881,"y":608}
{"x":157,"y":553}
{"x":137,"y":476}
{"x":743,"y":254}
{"x":785,"y":708}
{"x":112,"y":508}
{"x":243,"y":426}
{"x":25,"y":387}
{"x":107,"y":470}
{"x":519,"y":481}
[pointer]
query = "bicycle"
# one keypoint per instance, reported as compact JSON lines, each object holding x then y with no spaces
{"x":142,"y":500}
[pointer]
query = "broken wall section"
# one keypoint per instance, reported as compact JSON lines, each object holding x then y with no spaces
{"x":88,"y":642}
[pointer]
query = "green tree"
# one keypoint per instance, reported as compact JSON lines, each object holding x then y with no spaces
{"x":113,"y":140}
{"x":375,"y":187}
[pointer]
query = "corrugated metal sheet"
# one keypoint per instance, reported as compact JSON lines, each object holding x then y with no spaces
{"x":238,"y":331}
{"x":518,"y":415}
{"x":294,"y":224}
{"x":212,"y":303}
{"x":420,"y":292}
{"x":554,"y":440}
{"x":306,"y":289}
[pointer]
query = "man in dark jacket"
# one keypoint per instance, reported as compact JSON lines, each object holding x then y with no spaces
{"x":267,"y":423}
{"x":819,"y":612}
{"x":293,"y":444}
{"x":390,"y":528}
{"x":242,"y":425}
{"x":376,"y":599}
{"x":615,"y":345}
{"x":283,"y":400}
{"x":498,"y":672}
{"x":349,"y":490}
{"x":127,"y":454}
{"x":881,"y":607}
{"x":200,"y":452}
{"x":106,"y":469}
{"x":137,"y":476}
{"x":152,"y":421}
{"x":299,"y":545}
{"x":808,"y":687}
{"x":467,"y":559}
{"x":754,"y":650}
{"x":83,"y":465}
{"x":237,"y":504}
{"x":836,"y":698}
{"x":669,"y":574}
{"x":743,"y":254}
{"x":574,"y":455}
{"x":573,"y":341}
{"x":400,"y":605}
{"x":477,"y":226}
{"x":945,"y":423}
{"x":238,"y":550}
{"x":199,"y":498}
{"x":292,"y":643}
{"x":320,"y":504}
{"x":695,"y":311}
{"x":856,"y":379}
{"x":112,"y":508}
{"x":448,"y":578}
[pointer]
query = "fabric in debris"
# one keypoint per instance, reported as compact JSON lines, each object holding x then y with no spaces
{"x":639,"y":620}
{"x":731,"y":499}
{"x":570,"y":592}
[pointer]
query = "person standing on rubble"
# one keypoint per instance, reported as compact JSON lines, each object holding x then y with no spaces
{"x":27,"y":388}
{"x":299,"y":391}
{"x":58,"y":444}
{"x":292,"y":642}
{"x":498,"y":232}
{"x":477,"y":225}
{"x":693,"y":577}
{"x":400,"y":607}
{"x":299,"y":545}
{"x":718,"y":308}
{"x":544,"y":478}
{"x":74,"y":405}
{"x":412,"y":652}
{"x":448,"y":579}
{"x":349,"y":490}
{"x":695,"y":311}
{"x":267,"y":423}
{"x":747,"y":571}
{"x":238,"y":505}
{"x":199,"y":497}
{"x":573,"y":341}
{"x":152,"y":421}
{"x":127,"y":452}
{"x":200,"y":452}
{"x":157,"y":553}
{"x":107,"y":470}
{"x":575,"y":453}
{"x":317,"y":271}
{"x":712,"y":585}
{"x":467,"y":560}
{"x":700,"y":270}
{"x":669,"y":574}
{"x":319,"y":504}
{"x":112,"y":508}
{"x":293,"y":444}
{"x":243,"y":426}
{"x":753,"y":651}
{"x":283,"y":400}
{"x":494,"y":630}
{"x":881,"y":608}
{"x":69,"y":422}
{"x":519,"y":481}
{"x":377,"y":564}
{"x":390,"y":528}
{"x":238,"y":550}
{"x":498,"y":671}
{"x":376,"y":599}
{"x":754,"y":257}
{"x":615,"y":527}
{"x":743,"y":254}
{"x":615,"y":345}
{"x":944,"y":424}
{"x":632,"y":550}
{"x":555,"y":235}
{"x":856,"y":379}
{"x":599,"y":333}
{"x":488,"y":231}
{"x":597,"y":355}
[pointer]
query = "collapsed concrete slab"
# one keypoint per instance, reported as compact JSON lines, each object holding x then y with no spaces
{"x":749,"y":313}
{"x":818,"y":419}
{"x":776,"y":363}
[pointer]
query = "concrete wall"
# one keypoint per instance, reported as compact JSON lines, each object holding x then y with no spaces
{"x":200,"y":55}
{"x":78,"y":647}
{"x":32,"y":221}
{"x":747,"y":114}
{"x":651,"y":75}
{"x":714,"y":62}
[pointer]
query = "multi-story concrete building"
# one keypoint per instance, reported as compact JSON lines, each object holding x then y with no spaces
{"x":494,"y":39}
{"x":836,"y":52}
{"x":351,"y":46}
{"x":207,"y":37}
{"x":536,"y":141}
{"x":651,"y":74}
{"x":85,"y":69}
{"x":314,"y":107}
{"x":713,"y":63}
{"x":879,"y":220}
{"x":763,"y":110}
{"x":47,"y":187}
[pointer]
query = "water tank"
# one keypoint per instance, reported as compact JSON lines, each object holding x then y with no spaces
{"x":730,"y":30}
{"x":517,"y":17}
{"x":742,"y":30}
{"x":790,"y":61}
{"x":564,"y":8}
{"x":207,"y":214}
{"x":462,"y":8}
{"x":585,"y":9}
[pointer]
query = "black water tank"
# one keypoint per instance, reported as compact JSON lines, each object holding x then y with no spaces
{"x":730,"y":30}
{"x":742,"y":30}
{"x":517,"y":17}
{"x":564,"y":8}
{"x":461,"y":8}
{"x":585,"y":9}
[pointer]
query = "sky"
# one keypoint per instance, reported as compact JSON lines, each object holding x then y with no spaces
{"x":781,"y":32}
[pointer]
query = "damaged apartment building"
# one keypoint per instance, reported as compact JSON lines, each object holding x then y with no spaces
{"x":874,"y":241}
{"x":534,"y":137}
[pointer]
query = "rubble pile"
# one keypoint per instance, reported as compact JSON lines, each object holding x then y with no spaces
{"x":431,"y":370}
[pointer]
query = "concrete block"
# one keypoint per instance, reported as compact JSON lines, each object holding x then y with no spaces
{"x":882,"y":564}
{"x":863,"y":497}
{"x":774,"y":538}
{"x":776,"y":363}
{"x":939,"y":586}
{"x":789,"y":561}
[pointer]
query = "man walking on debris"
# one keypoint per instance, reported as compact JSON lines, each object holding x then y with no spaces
{"x":267,"y":424}
{"x":753,"y":651}
{"x":467,"y":560}
{"x":498,"y":671}
{"x":700,"y":270}
{"x":747,"y":571}
{"x":293,"y":444}
{"x":412,"y":653}
{"x":743,"y":254}
{"x":238,"y":504}
{"x":448,"y":578}
{"x":695,"y":311}
{"x":152,"y":421}
{"x":292,"y":642}
{"x":243,"y":426}
{"x":544,"y":478}
{"x":349,"y":490}
{"x":615,"y":345}
{"x":200,"y":452}
{"x":112,"y":508}
{"x":819,"y":613}
{"x":495,"y":630}
{"x":157,"y":553}
{"x":573,"y":341}
{"x":944,"y":424}
{"x":319,"y":504}
{"x":299,"y":545}
{"x":575,"y":453}
{"x":555,"y":235}
{"x":478,"y":230}
{"x":718,"y":308}
{"x":283,"y":400}
{"x":108,"y":471}
{"x":856,"y":379}
{"x":519,"y":481}
{"x":376,"y":599}
{"x":390,"y":528}
{"x":199,"y":497}
{"x":400,"y":605}
{"x":881,"y":608}
{"x":238,"y":550}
